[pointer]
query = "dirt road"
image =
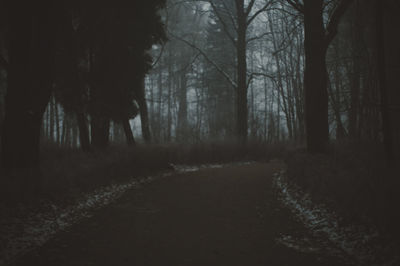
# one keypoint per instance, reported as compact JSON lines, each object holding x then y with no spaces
{"x":226,"y":216}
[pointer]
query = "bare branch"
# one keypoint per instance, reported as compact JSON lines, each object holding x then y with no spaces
{"x":261,"y":10}
{"x":219,"y":69}
{"x":159,"y":56}
{"x":231,"y":17}
{"x":257,"y":37}
{"x":258,"y":74}
{"x":226,"y":29}
{"x":296,"y":5}
{"x":185,"y":67}
{"x":249,"y":7}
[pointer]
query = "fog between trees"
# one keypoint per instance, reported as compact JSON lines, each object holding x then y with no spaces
{"x":307,"y":72}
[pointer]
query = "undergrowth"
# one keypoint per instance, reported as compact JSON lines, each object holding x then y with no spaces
{"x":354,"y":179}
{"x":67,"y":173}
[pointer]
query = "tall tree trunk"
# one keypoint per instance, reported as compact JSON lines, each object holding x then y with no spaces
{"x":29,"y":85}
{"x":75,"y":134}
{"x":128,"y":132}
{"x":64,"y":129}
{"x":315,"y":77}
{"x":144,"y":113}
{"x":159,"y":106}
{"x":83,"y":131}
{"x":340,"y":130}
{"x":354,"y":99}
{"x":386,"y":123}
{"x":57,"y":118}
{"x":100,"y":131}
{"x":169,"y":105}
{"x":51,"y":125}
{"x":242,"y":112}
{"x":46,"y":121}
{"x":182,"y":111}
{"x":299,"y":91}
{"x":355,"y":76}
{"x":67,"y":134}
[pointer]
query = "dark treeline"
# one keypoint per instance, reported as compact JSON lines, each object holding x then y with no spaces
{"x":89,"y":59}
{"x":303,"y":71}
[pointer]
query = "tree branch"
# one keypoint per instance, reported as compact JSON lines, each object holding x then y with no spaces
{"x":296,"y":5}
{"x":257,"y":74}
{"x":257,"y":37}
{"x":223,"y":22}
{"x":231,"y":17}
{"x":222,"y":72}
{"x":249,"y":7}
{"x":261,"y":10}
{"x":159,"y":56}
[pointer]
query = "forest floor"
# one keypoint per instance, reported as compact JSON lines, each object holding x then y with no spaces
{"x":218,"y":216}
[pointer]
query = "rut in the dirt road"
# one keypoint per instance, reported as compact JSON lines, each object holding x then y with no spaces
{"x":226,"y":216}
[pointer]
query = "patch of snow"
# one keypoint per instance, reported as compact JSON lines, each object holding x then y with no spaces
{"x":357,"y":242}
{"x":20,"y":235}
{"x":196,"y":168}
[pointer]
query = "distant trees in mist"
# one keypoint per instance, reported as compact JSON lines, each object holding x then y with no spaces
{"x":311,"y":71}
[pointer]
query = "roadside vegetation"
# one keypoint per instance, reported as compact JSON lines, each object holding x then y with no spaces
{"x":354,"y":180}
{"x":67,"y":172}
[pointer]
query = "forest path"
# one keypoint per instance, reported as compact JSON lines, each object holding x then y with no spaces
{"x":225,"y":216}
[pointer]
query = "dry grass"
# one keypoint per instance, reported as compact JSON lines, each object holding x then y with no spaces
{"x":67,"y":173}
{"x":354,"y":179}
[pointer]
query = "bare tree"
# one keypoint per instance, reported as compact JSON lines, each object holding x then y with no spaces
{"x":318,"y":36}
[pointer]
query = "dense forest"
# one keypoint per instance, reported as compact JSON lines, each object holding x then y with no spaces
{"x":309,"y":81}
{"x":198,"y":71}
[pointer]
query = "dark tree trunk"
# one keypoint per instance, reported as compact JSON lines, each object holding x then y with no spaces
{"x":67,"y":132}
{"x":46,"y":119}
{"x":128,"y":132}
{"x":83,"y":131}
{"x":51,"y":120}
{"x":64,"y":129}
{"x":168,"y":126}
{"x":75,"y":135}
{"x":144,"y":114}
{"x":182,"y":112}
{"x":242,"y":112}
{"x":100,"y":132}
{"x":300,"y":102}
{"x":315,"y":78}
{"x":355,"y":78}
{"x":57,"y":118}
{"x":386,"y":123}
{"x":335,"y":103}
{"x":354,"y":100}
{"x":29,"y":86}
{"x":159,"y":122}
